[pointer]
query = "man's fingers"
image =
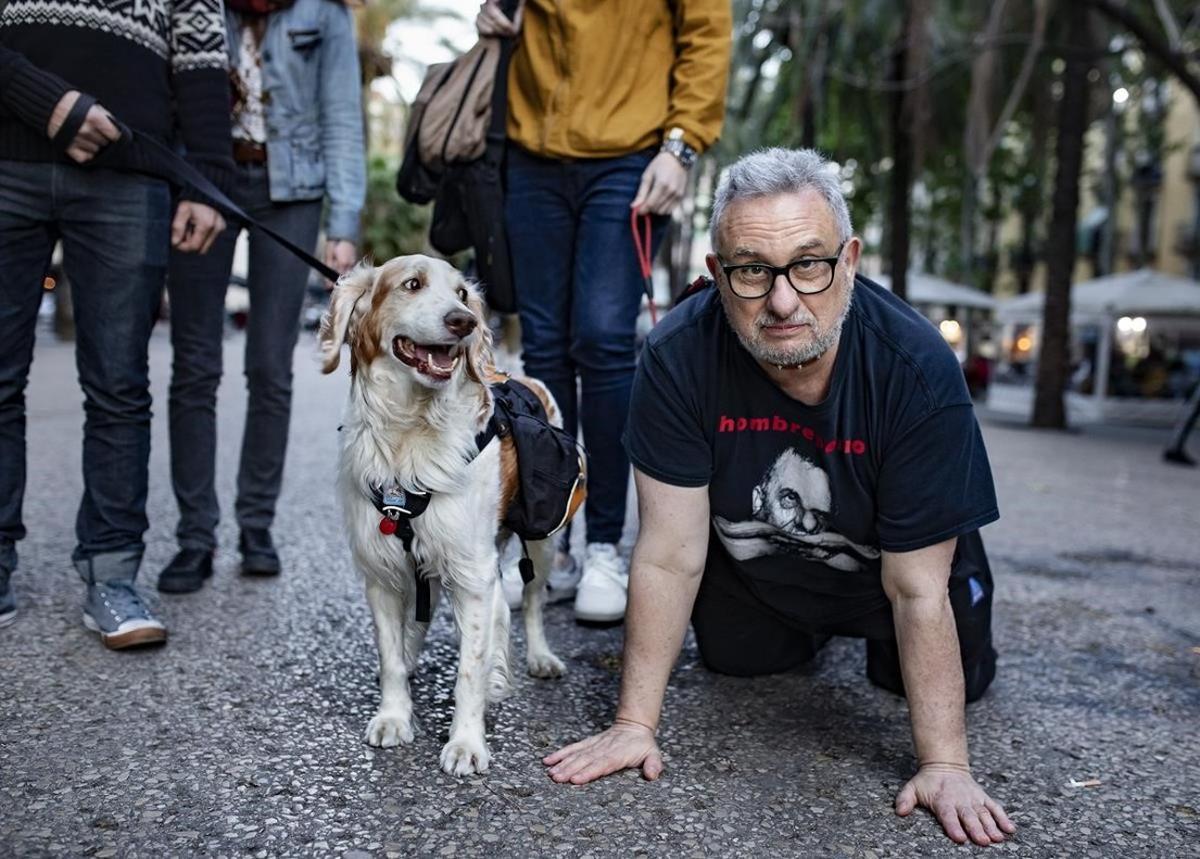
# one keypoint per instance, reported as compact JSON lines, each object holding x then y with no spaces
{"x":644,"y":188}
{"x":906,"y":800}
{"x":989,"y":825}
{"x":947,"y":815}
{"x":183,"y":213}
{"x":999,"y":815}
{"x":566,"y":751}
{"x":971,"y":823}
{"x":652,"y":767}
{"x":106,"y":126}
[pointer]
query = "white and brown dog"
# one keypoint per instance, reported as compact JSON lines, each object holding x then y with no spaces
{"x":420,"y":363}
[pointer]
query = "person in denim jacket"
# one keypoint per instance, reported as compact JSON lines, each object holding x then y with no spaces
{"x":297,"y":141}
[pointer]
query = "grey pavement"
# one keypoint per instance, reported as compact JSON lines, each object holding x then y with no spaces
{"x":243,"y":736}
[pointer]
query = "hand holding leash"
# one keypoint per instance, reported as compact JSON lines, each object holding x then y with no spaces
{"x":94,"y":131}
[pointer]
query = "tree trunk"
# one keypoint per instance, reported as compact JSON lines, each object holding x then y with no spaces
{"x":901,"y":175}
{"x":1049,"y":404}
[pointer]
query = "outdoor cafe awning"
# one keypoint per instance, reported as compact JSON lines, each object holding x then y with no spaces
{"x":927,"y":289}
{"x":1144,"y":292}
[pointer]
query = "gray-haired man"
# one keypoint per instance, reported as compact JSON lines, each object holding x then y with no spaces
{"x":808,"y":464}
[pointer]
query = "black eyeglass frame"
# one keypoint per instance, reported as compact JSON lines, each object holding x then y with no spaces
{"x":777,"y":270}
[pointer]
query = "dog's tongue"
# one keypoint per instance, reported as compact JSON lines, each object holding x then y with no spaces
{"x":435,"y":356}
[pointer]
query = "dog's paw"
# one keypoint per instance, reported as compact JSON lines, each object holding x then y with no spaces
{"x":464,"y":757}
{"x":389,"y":729}
{"x":546,"y":665}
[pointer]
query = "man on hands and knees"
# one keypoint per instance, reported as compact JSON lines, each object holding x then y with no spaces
{"x":808,"y":464}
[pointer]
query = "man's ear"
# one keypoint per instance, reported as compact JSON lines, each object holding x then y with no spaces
{"x":343,"y":313}
{"x":714,"y":265}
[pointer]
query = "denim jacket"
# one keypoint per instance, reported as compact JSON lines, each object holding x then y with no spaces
{"x":311,"y":85}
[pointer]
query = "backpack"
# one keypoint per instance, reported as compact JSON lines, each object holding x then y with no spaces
{"x":551,"y":464}
{"x":454,"y":155}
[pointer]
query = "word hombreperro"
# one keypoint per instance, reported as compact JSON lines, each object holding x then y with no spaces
{"x":775,"y":423}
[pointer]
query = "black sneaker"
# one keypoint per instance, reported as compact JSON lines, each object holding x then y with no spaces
{"x":1178,"y":457}
{"x":187,"y":572}
{"x":259,"y":557}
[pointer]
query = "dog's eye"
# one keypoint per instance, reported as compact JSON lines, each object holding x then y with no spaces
{"x":462,"y":294}
{"x":412,"y":284}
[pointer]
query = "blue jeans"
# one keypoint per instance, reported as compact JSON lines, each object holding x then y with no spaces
{"x":579,"y":290}
{"x":196,"y":288}
{"x":115,"y":230}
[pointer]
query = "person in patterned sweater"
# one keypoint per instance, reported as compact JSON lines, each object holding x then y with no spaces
{"x":159,"y":66}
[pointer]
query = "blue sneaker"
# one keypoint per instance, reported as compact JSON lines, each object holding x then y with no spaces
{"x":115,"y":610}
{"x":8,"y":605}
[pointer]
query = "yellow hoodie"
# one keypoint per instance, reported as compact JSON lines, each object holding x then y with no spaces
{"x":603,"y":78}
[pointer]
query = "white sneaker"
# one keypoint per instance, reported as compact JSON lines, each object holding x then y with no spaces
{"x":563,"y":580}
{"x":603,"y":589}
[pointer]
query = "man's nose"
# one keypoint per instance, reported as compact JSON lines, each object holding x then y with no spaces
{"x":782,"y":299}
{"x":459,"y":323}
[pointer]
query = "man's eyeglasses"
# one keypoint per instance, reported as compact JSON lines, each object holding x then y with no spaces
{"x":807,"y":275}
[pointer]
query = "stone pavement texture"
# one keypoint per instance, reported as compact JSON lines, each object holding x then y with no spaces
{"x":244,"y":735}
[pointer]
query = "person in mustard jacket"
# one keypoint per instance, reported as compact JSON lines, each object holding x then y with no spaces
{"x":610,"y":102}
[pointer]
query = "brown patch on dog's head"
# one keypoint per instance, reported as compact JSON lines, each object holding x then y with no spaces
{"x":481,"y":359}
{"x":340,"y":322}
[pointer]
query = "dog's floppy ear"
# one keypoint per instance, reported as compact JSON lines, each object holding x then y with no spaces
{"x":481,"y":362}
{"x":343,"y":307}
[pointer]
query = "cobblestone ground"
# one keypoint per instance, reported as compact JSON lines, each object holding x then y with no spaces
{"x":244,"y":735}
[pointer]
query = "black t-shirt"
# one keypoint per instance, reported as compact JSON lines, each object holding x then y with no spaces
{"x":803,"y":498}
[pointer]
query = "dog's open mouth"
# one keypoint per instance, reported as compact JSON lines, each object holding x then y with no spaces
{"x":436,"y":360}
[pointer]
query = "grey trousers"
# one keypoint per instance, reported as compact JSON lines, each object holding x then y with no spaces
{"x":196,"y":286}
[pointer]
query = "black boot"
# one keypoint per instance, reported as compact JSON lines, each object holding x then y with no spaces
{"x":1178,"y":456}
{"x":187,"y":572}
{"x":259,"y":557}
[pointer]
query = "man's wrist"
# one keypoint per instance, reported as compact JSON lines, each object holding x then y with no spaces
{"x":674,"y":144}
{"x":945,"y":766}
{"x":650,"y":725}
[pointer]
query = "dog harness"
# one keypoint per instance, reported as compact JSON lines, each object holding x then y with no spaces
{"x":543,"y":505}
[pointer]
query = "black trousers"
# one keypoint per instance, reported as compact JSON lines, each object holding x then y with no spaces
{"x":742,"y":635}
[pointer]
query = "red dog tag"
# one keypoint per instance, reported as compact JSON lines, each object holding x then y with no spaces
{"x":387,"y":526}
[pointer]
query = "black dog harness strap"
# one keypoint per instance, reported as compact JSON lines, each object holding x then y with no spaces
{"x":399,"y":507}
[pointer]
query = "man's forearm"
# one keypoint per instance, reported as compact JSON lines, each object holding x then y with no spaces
{"x":933,"y":680}
{"x":660,"y":603}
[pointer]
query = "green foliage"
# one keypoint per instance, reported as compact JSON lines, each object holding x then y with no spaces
{"x":391,"y":226}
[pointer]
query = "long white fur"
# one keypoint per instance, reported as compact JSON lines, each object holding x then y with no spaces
{"x":402,"y":426}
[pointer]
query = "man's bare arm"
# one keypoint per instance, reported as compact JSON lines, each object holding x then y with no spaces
{"x":664,"y":576}
{"x":917,"y":584}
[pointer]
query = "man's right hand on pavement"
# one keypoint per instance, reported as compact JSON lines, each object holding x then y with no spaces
{"x":492,"y":22}
{"x":626,"y":744}
{"x":98,"y":129}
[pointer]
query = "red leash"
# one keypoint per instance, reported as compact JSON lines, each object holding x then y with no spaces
{"x":641,"y":246}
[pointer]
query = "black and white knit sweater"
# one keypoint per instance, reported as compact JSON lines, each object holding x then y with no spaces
{"x":158,"y":65}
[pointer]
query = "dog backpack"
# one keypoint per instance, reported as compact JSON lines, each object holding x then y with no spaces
{"x":551,"y":465}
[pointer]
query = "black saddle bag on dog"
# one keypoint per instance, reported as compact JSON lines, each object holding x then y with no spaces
{"x":551,"y":464}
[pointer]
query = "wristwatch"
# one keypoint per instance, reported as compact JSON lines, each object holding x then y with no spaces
{"x":674,"y":143}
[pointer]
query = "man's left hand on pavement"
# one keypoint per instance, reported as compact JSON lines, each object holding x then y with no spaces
{"x":961,"y":806}
{"x":662,"y":186}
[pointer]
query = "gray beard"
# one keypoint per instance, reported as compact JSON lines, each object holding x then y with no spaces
{"x":822,"y":340}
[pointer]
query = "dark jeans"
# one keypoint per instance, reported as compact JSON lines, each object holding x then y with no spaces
{"x":579,"y":290}
{"x":196,"y":286}
{"x":115,"y":231}
{"x":739,"y":634}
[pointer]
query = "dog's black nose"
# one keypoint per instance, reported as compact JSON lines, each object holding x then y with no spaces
{"x":459,"y":323}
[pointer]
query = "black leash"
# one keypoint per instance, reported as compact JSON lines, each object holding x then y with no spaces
{"x":134,"y":152}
